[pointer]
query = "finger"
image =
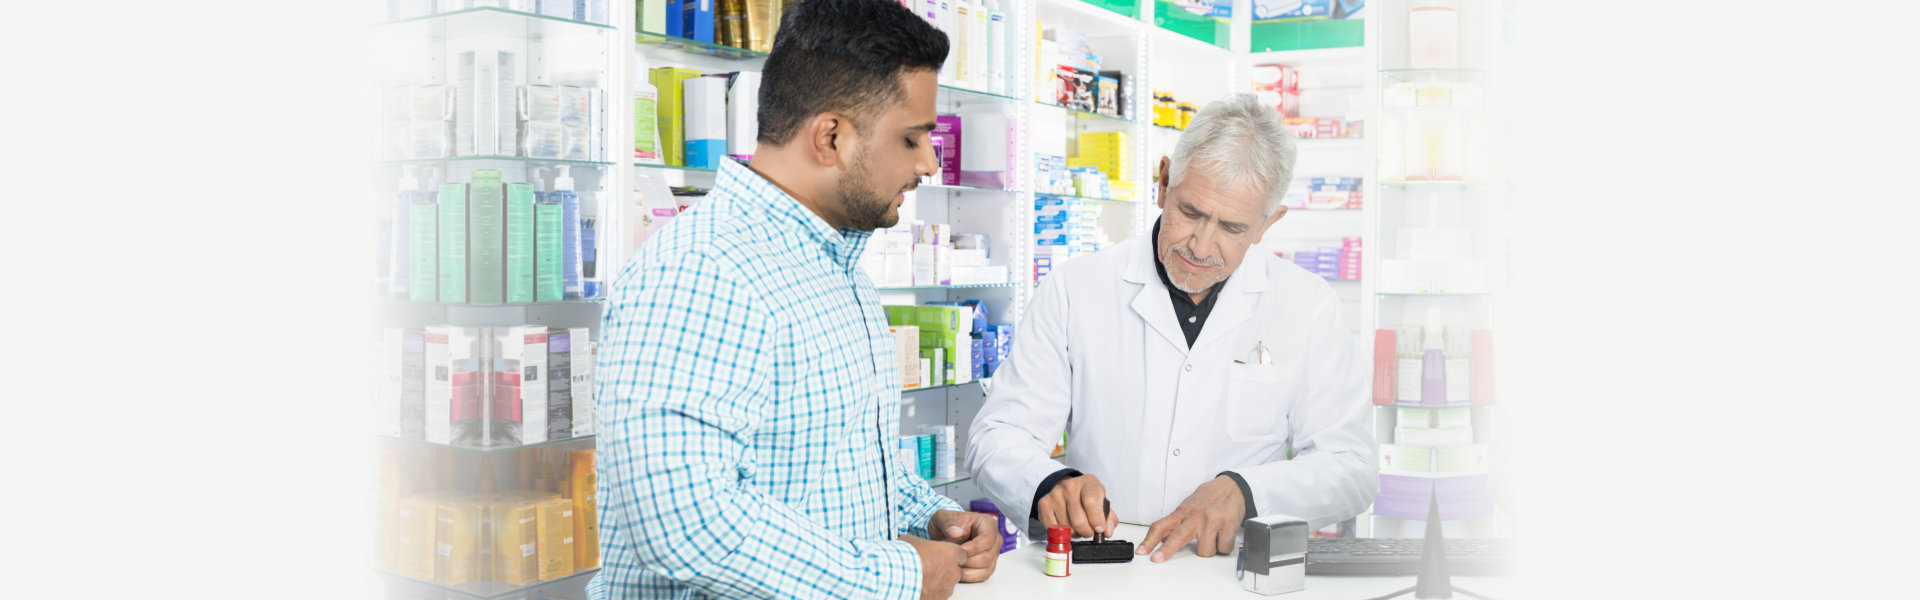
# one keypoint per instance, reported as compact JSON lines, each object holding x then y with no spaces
{"x":1092,"y":500}
{"x":959,"y":555}
{"x":1113,"y":523}
{"x":1226,"y":540}
{"x":958,"y":526}
{"x":980,"y":543}
{"x":1208,"y":541}
{"x":975,"y":575}
{"x":1077,"y":517}
{"x":1155,"y":531}
{"x":1050,"y":514}
{"x":1177,"y":539}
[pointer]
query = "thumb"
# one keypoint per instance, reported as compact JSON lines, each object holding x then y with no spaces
{"x":959,"y":555}
{"x":958,"y":528}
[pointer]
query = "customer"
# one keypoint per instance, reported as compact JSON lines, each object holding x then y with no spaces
{"x":1199,"y":383}
{"x":749,"y":392}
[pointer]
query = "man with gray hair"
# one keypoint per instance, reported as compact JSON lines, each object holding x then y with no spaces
{"x":1198,"y":385}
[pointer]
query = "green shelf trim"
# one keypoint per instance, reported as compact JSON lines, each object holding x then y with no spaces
{"x":1270,"y":36}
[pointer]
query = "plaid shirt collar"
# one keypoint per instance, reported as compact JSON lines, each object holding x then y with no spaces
{"x":736,"y":180}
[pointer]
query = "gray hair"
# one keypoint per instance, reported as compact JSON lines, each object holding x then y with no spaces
{"x":1237,"y":137}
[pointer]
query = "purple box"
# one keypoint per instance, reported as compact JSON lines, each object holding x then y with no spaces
{"x":1456,"y":507}
{"x":1009,"y":536}
{"x":947,"y":129}
{"x":1411,"y":486}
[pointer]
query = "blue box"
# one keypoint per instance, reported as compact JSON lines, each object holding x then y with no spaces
{"x":697,"y":20}
{"x":676,"y":24}
{"x":1337,"y":181}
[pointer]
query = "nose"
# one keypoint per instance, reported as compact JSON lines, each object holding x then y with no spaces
{"x":925,"y":162}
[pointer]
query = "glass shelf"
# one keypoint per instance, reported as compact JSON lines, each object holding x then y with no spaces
{"x":1084,"y":114}
{"x":952,"y":93}
{"x":940,"y":387}
{"x":567,"y":302}
{"x":1415,"y":294}
{"x":940,"y":482}
{"x":1166,"y":129}
{"x":492,"y":18}
{"x":1073,"y":197}
{"x":677,"y":168}
{"x":974,"y":286}
{"x":485,"y":449}
{"x":1437,"y":183}
{"x":696,"y":47}
{"x":965,"y":188}
{"x":489,"y":590}
{"x":514,"y":159}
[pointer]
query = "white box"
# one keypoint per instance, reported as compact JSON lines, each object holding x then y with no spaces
{"x":523,"y":359}
{"x":582,"y":383}
{"x":1433,"y":438}
{"x":987,"y":275}
{"x":451,"y":382}
{"x":932,"y":265}
{"x":969,"y":257}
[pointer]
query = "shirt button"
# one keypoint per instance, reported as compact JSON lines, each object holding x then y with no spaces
{"x":1176,"y":451}
{"x":1189,"y":368}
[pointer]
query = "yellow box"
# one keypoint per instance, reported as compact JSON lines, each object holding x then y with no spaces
{"x":456,"y":543}
{"x":586,"y":521}
{"x":554,"y":519}
{"x":413,"y":555}
{"x":516,"y":543}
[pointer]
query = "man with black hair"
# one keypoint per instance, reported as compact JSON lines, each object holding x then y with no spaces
{"x":749,"y":391}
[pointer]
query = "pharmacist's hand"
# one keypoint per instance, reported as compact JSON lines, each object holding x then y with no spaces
{"x":1078,"y":502}
{"x":939,"y":566}
{"x":978,"y":534}
{"x":1212,"y":515}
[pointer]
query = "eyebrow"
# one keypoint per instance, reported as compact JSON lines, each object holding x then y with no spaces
{"x":924,"y":128}
{"x":1184,"y":205}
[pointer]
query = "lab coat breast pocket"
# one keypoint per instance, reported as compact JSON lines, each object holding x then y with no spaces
{"x":1258,"y":397}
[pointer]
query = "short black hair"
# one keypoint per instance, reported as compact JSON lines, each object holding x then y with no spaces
{"x":841,"y":56}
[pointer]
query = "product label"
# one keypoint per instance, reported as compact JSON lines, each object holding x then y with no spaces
{"x":1057,"y":564}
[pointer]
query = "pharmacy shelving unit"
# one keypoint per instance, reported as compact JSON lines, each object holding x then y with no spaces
{"x":1198,"y":58}
{"x":424,"y":50}
{"x":1437,"y":214}
{"x":1334,"y":83}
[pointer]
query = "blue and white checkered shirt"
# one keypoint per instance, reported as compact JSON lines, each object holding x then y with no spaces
{"x":749,"y":410}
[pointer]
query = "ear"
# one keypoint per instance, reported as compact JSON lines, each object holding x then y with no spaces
{"x":1277,"y":213}
{"x":825,"y":137}
{"x":1166,"y":166}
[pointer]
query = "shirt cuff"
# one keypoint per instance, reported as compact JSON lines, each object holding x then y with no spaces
{"x":1246,"y":493}
{"x":1046,"y":486}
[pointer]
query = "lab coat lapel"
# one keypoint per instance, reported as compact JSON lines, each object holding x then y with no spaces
{"x":1237,"y":300}
{"x":1151,"y":303}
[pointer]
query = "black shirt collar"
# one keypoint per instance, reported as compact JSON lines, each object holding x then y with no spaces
{"x":1192,"y":316}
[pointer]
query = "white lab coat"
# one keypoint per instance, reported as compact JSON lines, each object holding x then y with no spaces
{"x":1100,"y":356}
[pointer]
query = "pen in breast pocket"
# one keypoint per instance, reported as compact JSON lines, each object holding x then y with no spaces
{"x":1259,"y":356}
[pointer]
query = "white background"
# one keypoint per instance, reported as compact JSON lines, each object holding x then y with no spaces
{"x":1713,"y":310}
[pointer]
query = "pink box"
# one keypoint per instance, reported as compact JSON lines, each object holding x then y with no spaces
{"x":1384,"y":364}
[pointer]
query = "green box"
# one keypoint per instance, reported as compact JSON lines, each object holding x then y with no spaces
{"x":672,"y":112}
{"x":486,"y":246}
{"x":520,"y":198}
{"x":453,"y":242}
{"x":926,"y":442}
{"x":423,"y":223}
{"x":956,"y":350}
{"x":1307,"y":35}
{"x":548,"y":247}
{"x":941,"y":319}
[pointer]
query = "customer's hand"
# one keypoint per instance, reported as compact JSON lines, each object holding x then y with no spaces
{"x":1212,"y":515}
{"x":978,"y":534}
{"x":939,"y":566}
{"x":1078,"y":502}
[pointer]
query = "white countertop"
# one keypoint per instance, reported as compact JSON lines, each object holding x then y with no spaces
{"x":1185,"y":575}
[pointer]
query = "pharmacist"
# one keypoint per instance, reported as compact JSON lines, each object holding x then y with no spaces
{"x":1182,"y":366}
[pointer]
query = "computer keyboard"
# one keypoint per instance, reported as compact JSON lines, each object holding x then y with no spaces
{"x":1401,"y":556}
